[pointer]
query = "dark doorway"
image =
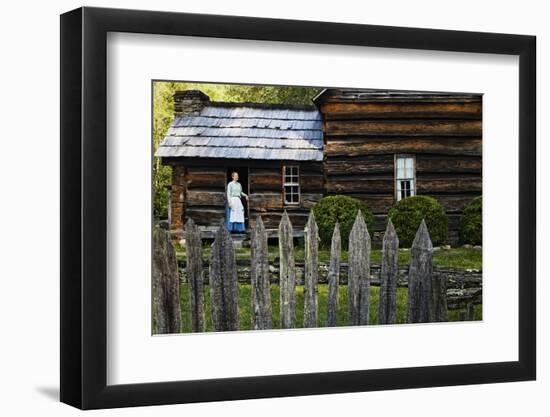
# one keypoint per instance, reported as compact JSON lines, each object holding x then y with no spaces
{"x":243,"y":180}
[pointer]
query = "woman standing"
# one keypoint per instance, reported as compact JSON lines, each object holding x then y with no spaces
{"x":235,"y":209}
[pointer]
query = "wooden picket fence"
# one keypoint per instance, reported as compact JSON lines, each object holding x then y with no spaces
{"x":427,"y":300}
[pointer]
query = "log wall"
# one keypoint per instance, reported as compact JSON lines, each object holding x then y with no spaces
{"x":198,"y":192}
{"x":443,"y":132}
{"x":266,"y":193}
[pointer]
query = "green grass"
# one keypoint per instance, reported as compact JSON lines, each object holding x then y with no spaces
{"x":245,"y":306}
{"x":460,"y":258}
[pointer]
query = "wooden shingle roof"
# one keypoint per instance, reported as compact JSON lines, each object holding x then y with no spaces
{"x":246,"y":131}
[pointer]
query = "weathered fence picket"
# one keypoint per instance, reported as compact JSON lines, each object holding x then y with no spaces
{"x":166,"y":289}
{"x":389,"y":271}
{"x":439,"y":287}
{"x":334,"y":276}
{"x":427,"y":292}
{"x":259,"y":278}
{"x":194,"y":275}
{"x":223,"y":282}
{"x":311,"y":271}
{"x":287,"y":273}
{"x":359,"y":273}
{"x":420,"y":302}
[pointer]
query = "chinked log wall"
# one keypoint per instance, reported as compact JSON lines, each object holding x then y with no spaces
{"x":198,"y":192}
{"x":444,"y":135}
{"x":266,"y":193}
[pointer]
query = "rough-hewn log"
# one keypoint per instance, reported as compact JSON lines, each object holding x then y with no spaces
{"x":334,"y":276}
{"x":419,"y":306}
{"x":201,"y":168}
{"x":193,"y":251}
{"x":259,"y":278}
{"x":205,"y":215}
{"x":402,"y":110}
{"x":166,"y":289}
{"x":389,"y":271}
{"x":448,"y":164}
{"x":311,"y":167}
{"x":359,"y":273}
{"x":311,"y":183}
{"x":223,"y":282}
{"x":377,"y":203}
{"x":205,"y":198}
{"x":363,"y":184}
{"x":439,"y":296}
{"x":177,"y":198}
{"x":453,"y":203}
{"x":404,"y":127}
{"x":454,"y":185}
{"x":287,"y":274}
{"x":266,"y":170}
{"x":311,"y":271}
{"x":444,"y":146}
{"x":271,"y":220}
{"x":377,"y":164}
{"x":214,"y":181}
{"x":266,"y":182}
{"x":266,"y":201}
{"x":308,"y":200}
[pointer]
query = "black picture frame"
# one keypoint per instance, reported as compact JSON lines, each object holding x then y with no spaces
{"x":84,"y":207}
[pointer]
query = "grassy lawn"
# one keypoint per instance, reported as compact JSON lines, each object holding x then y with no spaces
{"x":245,"y":306}
{"x":461,"y":258}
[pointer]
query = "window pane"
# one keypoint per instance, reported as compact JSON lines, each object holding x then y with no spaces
{"x":400,"y":168}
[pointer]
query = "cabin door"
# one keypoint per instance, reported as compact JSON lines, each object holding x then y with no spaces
{"x":243,"y":180}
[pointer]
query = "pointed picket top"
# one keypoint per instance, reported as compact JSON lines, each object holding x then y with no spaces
{"x":259,"y":226}
{"x":191,"y":230}
{"x":311,"y":225}
{"x":311,"y":217}
{"x":359,"y":228}
{"x":335,"y":236}
{"x":422,"y":239}
{"x":359,"y":272}
{"x":285,"y":221}
{"x":190,"y":223}
{"x":389,"y":270}
{"x":390,"y":235}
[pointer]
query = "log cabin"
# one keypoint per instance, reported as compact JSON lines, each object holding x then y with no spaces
{"x":376,"y":145}
{"x":276,"y":150}
{"x":381,"y":146}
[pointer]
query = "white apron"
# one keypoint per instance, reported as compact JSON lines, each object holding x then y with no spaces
{"x":237,"y":211}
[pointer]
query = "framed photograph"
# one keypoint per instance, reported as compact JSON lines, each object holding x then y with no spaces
{"x":257,"y":208}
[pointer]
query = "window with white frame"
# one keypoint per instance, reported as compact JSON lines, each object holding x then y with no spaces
{"x":404,"y":176}
{"x":291,"y":184}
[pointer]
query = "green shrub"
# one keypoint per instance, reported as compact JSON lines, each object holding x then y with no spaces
{"x":408,"y":213}
{"x":341,"y":208}
{"x":470,"y":224}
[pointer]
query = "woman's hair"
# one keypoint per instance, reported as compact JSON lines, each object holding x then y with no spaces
{"x":233,"y":173}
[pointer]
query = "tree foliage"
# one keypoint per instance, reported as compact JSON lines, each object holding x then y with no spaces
{"x":163,"y":114}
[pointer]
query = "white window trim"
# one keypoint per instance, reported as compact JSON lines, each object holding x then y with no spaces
{"x":295,"y":184}
{"x":395,"y":190}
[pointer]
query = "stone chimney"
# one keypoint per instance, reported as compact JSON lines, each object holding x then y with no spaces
{"x":187,"y":102}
